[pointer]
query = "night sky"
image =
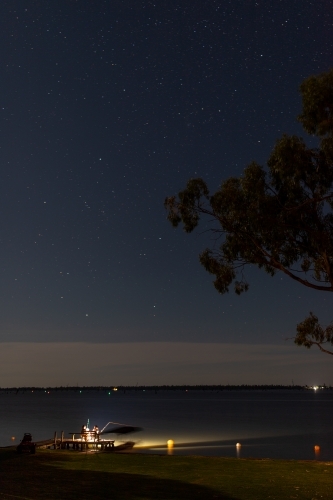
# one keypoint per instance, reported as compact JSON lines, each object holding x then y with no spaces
{"x":107,"y":107}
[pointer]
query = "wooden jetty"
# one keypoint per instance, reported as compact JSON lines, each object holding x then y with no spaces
{"x":78,"y":444}
{"x":85,"y":442}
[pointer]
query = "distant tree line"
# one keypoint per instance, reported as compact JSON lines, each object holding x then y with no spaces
{"x":158,"y":388}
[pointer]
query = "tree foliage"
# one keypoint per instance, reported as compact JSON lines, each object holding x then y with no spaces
{"x":310,"y":333}
{"x":279,"y":218}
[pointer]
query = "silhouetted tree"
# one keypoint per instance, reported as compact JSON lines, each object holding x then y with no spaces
{"x":279,"y":218}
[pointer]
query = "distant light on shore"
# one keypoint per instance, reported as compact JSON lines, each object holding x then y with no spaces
{"x":170,"y":443}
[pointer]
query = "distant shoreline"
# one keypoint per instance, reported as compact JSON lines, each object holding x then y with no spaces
{"x":157,"y":388}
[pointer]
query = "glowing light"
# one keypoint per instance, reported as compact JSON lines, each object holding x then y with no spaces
{"x":170,"y":444}
{"x":317,"y":448}
{"x":315,"y":387}
{"x":115,"y":389}
{"x":13,"y":438}
{"x":238,"y":445}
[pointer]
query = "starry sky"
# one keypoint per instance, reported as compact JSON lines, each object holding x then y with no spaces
{"x":107,"y":107}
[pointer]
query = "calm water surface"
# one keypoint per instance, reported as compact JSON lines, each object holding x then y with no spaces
{"x":267,"y":424}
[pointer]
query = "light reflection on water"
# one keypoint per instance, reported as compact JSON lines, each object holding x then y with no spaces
{"x":298,"y":447}
{"x":271,"y":424}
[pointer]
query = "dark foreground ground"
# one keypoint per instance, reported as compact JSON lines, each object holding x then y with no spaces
{"x":75,"y":475}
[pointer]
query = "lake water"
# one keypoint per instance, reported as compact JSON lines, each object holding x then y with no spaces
{"x":267,"y":424}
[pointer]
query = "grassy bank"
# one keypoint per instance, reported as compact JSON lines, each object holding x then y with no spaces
{"x":72,"y":475}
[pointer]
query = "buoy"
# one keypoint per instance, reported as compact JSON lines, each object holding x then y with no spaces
{"x":170,"y":443}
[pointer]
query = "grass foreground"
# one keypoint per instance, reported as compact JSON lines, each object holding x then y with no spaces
{"x":72,"y":475}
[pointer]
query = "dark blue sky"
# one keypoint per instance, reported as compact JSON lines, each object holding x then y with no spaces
{"x":107,"y":108}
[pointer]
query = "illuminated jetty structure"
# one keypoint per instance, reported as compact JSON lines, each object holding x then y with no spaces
{"x":93,"y":439}
{"x":83,"y":442}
